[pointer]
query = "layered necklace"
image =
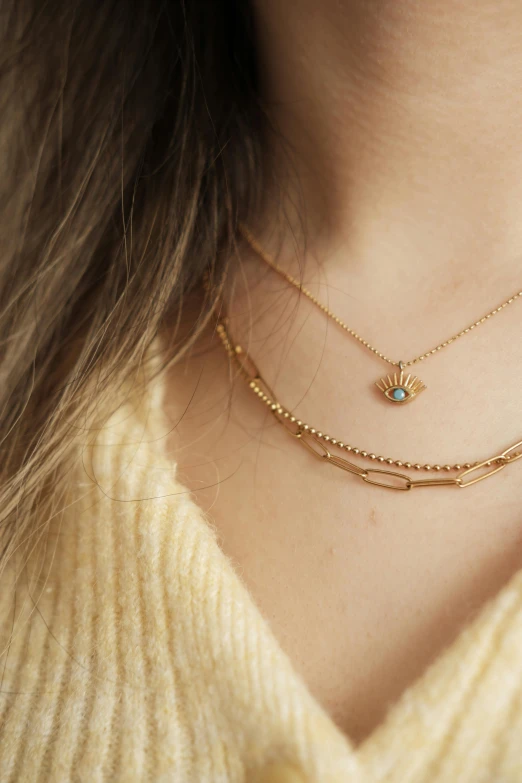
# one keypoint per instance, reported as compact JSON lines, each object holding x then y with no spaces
{"x":399,"y":388}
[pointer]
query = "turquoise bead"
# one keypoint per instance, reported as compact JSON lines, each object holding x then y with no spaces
{"x":399,"y":394}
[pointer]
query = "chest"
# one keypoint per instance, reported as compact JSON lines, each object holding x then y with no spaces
{"x":363,"y":589}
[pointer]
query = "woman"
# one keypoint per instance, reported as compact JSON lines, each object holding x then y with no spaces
{"x":231,"y":230}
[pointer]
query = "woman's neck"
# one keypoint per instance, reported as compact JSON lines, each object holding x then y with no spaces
{"x":403,"y":120}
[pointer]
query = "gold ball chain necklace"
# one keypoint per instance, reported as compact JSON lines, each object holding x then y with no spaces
{"x":398,"y":389}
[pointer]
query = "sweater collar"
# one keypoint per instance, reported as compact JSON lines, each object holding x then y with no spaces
{"x":254,"y":693}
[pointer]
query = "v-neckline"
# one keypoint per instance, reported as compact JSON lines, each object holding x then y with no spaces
{"x":384,"y":742}
{"x":438,"y":690}
{"x":404,"y":705}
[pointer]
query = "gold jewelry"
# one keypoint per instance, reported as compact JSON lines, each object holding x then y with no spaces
{"x":314,"y":440}
{"x":399,"y":388}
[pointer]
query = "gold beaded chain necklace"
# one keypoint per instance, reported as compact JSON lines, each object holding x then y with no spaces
{"x":400,"y":387}
{"x":329,"y":449}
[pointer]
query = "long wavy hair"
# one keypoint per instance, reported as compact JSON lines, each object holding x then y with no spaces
{"x":130,"y":149}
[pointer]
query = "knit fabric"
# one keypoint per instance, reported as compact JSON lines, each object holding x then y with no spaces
{"x":133,"y":652}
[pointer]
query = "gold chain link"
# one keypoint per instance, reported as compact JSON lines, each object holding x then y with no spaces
{"x":321,"y":444}
{"x":254,"y":244}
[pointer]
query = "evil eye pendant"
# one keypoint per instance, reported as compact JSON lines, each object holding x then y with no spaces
{"x":400,"y":388}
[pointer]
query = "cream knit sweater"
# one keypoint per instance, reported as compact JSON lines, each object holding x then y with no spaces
{"x":145,"y":658}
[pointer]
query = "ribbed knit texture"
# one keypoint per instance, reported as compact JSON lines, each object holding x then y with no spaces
{"x":146,"y":659}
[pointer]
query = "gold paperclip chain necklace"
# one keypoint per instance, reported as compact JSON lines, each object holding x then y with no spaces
{"x":400,"y":387}
{"x":325,"y":447}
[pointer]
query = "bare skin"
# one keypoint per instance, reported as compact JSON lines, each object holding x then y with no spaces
{"x":410,"y":174}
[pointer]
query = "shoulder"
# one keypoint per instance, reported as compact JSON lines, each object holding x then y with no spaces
{"x":96,"y":654}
